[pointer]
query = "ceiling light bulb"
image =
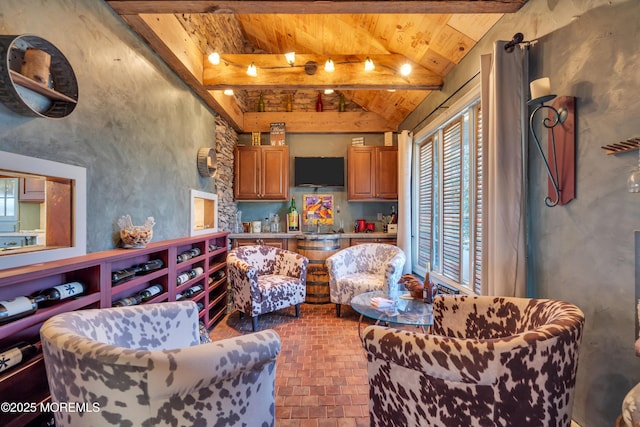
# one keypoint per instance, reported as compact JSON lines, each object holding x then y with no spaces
{"x":228,"y":92}
{"x":252,"y":70}
{"x":328,"y":91}
{"x":291,"y":58}
{"x":391,"y":90}
{"x":328,"y":66}
{"x":369,"y":65}
{"x":405,"y":70}
{"x":214,"y":58}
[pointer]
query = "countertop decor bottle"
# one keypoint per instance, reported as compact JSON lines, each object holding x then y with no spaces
{"x":261,"y":103}
{"x":289,"y":103}
{"x":319,"y":106}
{"x":292,"y":217}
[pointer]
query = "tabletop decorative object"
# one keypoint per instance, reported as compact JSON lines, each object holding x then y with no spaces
{"x":135,"y":236}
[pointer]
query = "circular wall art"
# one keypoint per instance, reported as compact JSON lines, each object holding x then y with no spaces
{"x":207,"y":161}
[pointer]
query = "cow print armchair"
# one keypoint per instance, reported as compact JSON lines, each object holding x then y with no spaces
{"x":488,"y":361}
{"x":265,"y":279}
{"x":145,"y":366}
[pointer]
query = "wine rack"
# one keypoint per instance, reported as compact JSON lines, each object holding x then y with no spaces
{"x":27,"y":382}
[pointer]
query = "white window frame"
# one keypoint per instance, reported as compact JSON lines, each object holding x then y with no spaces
{"x":452,"y":113}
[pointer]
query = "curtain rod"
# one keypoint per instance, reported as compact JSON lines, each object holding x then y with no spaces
{"x":445,"y":101}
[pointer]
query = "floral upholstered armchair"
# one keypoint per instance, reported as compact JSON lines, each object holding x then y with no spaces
{"x":265,"y":279}
{"x":144,"y":365}
{"x":363,"y":268}
{"x":489,"y":361}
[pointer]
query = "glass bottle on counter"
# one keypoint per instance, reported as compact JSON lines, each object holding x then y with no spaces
{"x":17,"y":354}
{"x":292,"y":217}
{"x":319,"y":106}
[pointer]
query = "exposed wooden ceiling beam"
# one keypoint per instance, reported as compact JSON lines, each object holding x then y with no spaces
{"x":325,"y":122}
{"x":132,"y":7}
{"x":167,"y":37}
{"x":349,"y":74}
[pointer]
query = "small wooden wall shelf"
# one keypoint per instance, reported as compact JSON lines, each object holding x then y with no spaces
{"x":28,"y":97}
{"x":630,"y":144}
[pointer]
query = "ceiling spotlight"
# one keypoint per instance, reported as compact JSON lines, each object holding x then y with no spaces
{"x":328,"y":91}
{"x":252,"y":70}
{"x":228,"y":92}
{"x":405,"y":70}
{"x":214,"y":58}
{"x":329,"y":67}
{"x":391,"y":90}
{"x":291,"y":58}
{"x":369,"y":65}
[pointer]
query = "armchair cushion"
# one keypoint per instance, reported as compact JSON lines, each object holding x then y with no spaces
{"x":363,"y":268}
{"x":488,"y":361}
{"x":264,"y":278}
{"x":144,"y":365}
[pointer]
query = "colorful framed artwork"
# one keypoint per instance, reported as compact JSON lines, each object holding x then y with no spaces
{"x":317,"y":208}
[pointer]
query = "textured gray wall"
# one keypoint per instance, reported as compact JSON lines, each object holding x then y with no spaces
{"x":583,"y":252}
{"x":136,"y":129}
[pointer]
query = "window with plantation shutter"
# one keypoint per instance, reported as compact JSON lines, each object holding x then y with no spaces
{"x":452,"y":200}
{"x":448,"y":199}
{"x":477,"y":266}
{"x":425,"y":202}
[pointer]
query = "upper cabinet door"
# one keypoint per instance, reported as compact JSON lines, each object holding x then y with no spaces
{"x":387,"y":173}
{"x":261,"y":173}
{"x":275,"y":173}
{"x":246,"y":173}
{"x":361,"y":165}
{"x":373,"y":173}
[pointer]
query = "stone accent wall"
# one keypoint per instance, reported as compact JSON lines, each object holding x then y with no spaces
{"x":226,"y":140}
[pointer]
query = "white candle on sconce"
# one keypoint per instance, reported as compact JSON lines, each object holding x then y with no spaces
{"x":540,"y":88}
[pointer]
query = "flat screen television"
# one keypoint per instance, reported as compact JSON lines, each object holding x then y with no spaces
{"x":319,"y":171}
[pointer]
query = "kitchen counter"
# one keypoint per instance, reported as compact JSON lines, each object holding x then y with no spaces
{"x":321,"y":236}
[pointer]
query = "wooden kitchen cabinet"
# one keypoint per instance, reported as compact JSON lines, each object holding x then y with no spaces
{"x":372,"y":173}
{"x":261,"y":173}
{"x":32,"y":190}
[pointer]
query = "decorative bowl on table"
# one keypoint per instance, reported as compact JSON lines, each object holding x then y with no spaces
{"x":412,"y":284}
{"x":135,"y":236}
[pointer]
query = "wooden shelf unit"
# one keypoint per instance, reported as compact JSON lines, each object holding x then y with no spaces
{"x":27,"y":382}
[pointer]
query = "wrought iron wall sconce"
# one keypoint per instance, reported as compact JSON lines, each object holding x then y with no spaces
{"x":560,"y":123}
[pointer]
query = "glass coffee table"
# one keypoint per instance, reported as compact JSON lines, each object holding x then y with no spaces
{"x":405,"y":310}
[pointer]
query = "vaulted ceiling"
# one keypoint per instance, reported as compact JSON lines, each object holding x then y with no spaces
{"x":432,"y":36}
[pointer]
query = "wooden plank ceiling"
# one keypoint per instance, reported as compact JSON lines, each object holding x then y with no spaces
{"x":432,"y":36}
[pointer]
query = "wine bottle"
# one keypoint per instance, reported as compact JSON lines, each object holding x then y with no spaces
{"x":196,"y":272}
{"x":293,"y":216}
{"x":342,"y":105}
{"x":149,"y":266}
{"x":121,"y":276}
{"x":17,"y":354}
{"x":194,"y":252}
{"x":183,"y":256}
{"x":18,"y":307}
{"x":213,"y":247}
{"x":200,"y":306}
{"x":183,"y":278}
{"x":150,"y":292}
{"x":319,"y":106}
{"x":125,"y":302}
{"x":60,"y":292}
{"x":261,"y":103}
{"x":194,"y":290}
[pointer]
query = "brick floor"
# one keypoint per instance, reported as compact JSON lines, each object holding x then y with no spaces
{"x":321,"y":372}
